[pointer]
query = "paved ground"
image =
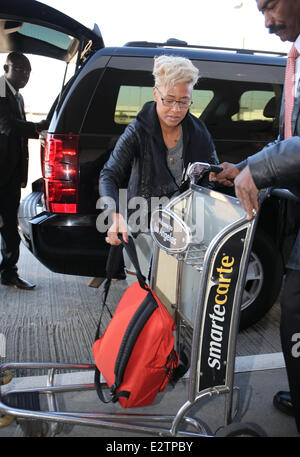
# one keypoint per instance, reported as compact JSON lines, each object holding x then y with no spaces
{"x":256,"y":391}
{"x":57,"y":321}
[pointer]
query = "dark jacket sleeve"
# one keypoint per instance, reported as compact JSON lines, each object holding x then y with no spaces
{"x":10,"y":125}
{"x":277,"y":164}
{"x":116,"y":171}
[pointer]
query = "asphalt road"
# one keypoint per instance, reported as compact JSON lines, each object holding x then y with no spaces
{"x":56,"y":322}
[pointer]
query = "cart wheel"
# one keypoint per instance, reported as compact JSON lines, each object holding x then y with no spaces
{"x":29,"y":401}
{"x":31,"y":428}
{"x":5,"y":421}
{"x":240,"y":429}
{"x":6,"y":377}
{"x":263,"y":280}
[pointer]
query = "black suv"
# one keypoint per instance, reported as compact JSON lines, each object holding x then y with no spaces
{"x":238,"y":97}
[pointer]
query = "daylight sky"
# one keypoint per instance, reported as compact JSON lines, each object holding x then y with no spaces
{"x":228,"y":23}
{"x":205,"y":22}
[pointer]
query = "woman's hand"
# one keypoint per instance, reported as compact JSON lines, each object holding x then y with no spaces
{"x":119,"y":225}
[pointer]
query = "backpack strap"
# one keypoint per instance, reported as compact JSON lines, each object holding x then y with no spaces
{"x":114,"y":396}
{"x":132,"y":254}
{"x":112,"y":266}
{"x":114,"y":258}
{"x":98,"y":386}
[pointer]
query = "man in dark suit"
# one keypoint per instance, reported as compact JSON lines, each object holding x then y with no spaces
{"x":278,"y":164}
{"x":14,"y":134}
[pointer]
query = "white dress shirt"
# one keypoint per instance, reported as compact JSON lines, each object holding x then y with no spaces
{"x":11,"y":87}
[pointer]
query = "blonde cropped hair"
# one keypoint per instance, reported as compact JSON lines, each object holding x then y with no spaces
{"x":170,"y":70}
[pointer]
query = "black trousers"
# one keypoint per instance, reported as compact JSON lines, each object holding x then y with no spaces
{"x":10,"y":240}
{"x":290,"y":336}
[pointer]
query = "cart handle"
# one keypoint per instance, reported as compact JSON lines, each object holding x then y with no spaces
{"x":284,"y":193}
{"x":199,"y":169}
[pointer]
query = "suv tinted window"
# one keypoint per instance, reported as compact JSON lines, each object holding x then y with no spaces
{"x":254,"y":104}
{"x":76,"y":102}
{"x":201,"y":99}
{"x":132,"y":98}
{"x":130,"y":101}
{"x":242,"y":117}
{"x":230,"y":98}
{"x":104,"y":114}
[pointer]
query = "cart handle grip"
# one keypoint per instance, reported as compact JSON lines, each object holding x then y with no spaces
{"x":284,"y":193}
{"x":199,"y":169}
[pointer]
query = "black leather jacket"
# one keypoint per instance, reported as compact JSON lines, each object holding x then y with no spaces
{"x":138,"y":161}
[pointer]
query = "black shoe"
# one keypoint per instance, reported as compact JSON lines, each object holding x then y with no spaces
{"x":282,"y":401}
{"x":17,"y":282}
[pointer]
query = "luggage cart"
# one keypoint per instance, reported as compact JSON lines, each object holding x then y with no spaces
{"x":202,"y":239}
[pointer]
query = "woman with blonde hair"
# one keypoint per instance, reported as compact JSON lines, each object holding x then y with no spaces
{"x":152,"y":154}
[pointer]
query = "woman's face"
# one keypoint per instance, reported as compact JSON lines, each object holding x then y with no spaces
{"x":169,"y":111}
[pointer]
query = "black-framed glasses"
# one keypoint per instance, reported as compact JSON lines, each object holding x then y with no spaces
{"x":25,"y":70}
{"x":170,"y":103}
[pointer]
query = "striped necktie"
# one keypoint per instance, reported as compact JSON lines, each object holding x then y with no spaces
{"x":289,"y":91}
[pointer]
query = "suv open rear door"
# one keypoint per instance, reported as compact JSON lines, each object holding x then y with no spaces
{"x":31,"y":27}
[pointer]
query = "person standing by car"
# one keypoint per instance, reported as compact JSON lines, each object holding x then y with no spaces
{"x":278,"y":164}
{"x":151,"y":155}
{"x":14,"y":133}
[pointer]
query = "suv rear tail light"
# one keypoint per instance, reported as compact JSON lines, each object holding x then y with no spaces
{"x":60,"y":173}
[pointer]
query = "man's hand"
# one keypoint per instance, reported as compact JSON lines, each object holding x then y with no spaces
{"x":42,"y":125}
{"x":247,"y":192}
{"x":118,"y":226}
{"x":226,"y":176}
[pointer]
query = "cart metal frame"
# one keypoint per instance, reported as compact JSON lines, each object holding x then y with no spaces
{"x":206,"y":378}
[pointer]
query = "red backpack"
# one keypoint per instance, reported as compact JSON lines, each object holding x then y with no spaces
{"x":136,"y":354}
